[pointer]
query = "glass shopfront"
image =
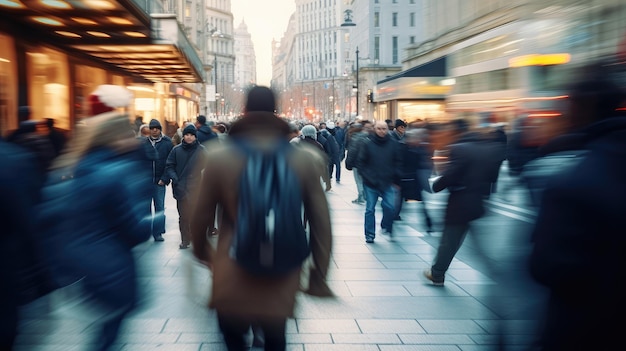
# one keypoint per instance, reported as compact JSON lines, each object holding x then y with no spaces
{"x":87,"y":80}
{"x":8,"y":85}
{"x":47,"y":73}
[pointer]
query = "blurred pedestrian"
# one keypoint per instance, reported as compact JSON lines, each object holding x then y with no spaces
{"x":240,"y":298}
{"x":579,"y":236}
{"x":180,"y":169}
{"x":355,"y":138}
{"x":417,"y":166}
{"x":18,"y":184}
{"x":158,"y":147}
{"x":466,"y":176}
{"x":309,"y":137}
{"x":144,"y":131}
{"x":102,"y":211}
{"x":204,"y":131}
{"x":379,"y":163}
{"x":56,"y":136}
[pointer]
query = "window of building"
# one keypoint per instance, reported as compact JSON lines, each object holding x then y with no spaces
{"x":411,"y":1}
{"x":394,"y":50}
{"x":188,"y":9}
{"x":412,"y":39}
{"x":394,"y":19}
{"x":376,"y":19}
{"x":377,"y":48}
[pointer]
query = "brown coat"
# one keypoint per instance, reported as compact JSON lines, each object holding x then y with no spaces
{"x":235,"y":291}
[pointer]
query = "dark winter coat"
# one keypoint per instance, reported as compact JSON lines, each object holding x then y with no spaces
{"x":579,"y":234}
{"x":354,"y":145}
{"x":205,"y":133}
{"x":157,"y":152}
{"x":180,"y":167}
{"x":380,"y":162}
{"x":330,"y":146}
{"x":467,"y":178}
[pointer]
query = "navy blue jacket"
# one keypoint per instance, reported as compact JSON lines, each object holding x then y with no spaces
{"x":157,"y":152}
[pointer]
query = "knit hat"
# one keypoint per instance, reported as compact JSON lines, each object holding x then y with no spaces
{"x":309,"y":131}
{"x":108,"y":97}
{"x":400,"y":123}
{"x":189,"y":129}
{"x":330,"y":125}
{"x":154,"y":123}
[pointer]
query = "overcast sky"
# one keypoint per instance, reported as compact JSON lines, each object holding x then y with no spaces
{"x":266,"y":19}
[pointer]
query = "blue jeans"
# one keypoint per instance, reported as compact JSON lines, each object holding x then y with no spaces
{"x":158,"y":200}
{"x":389,"y":209}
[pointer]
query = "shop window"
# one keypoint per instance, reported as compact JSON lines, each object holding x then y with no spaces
{"x":48,"y":78}
{"x":8,"y":85}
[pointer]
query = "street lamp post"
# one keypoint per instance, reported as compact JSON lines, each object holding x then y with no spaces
{"x":357,"y":80}
{"x":215,"y":76}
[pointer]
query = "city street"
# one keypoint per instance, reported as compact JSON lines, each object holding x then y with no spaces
{"x":383,"y":301}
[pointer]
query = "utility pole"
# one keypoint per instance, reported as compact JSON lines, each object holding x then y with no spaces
{"x":216,"y":93}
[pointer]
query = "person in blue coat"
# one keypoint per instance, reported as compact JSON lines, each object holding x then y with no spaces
{"x":102,"y":216}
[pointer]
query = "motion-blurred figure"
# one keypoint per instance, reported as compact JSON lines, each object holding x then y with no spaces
{"x":579,"y":236}
{"x":101,"y":208}
{"x":467,"y":178}
{"x":18,"y":181}
{"x":241,"y":298}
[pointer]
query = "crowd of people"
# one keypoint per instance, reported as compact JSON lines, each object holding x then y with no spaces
{"x":80,"y":204}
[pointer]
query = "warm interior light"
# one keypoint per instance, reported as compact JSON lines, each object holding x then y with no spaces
{"x":100,"y":4}
{"x":98,"y":34}
{"x":56,"y":4}
{"x":539,"y":60}
{"x":120,"y":20}
{"x":85,"y":21}
{"x":12,"y":4}
{"x":135,"y":34}
{"x":2,"y":59}
{"x":67,"y":34}
{"x":48,"y":21}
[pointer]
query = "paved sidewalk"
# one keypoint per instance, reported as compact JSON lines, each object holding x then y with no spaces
{"x":383,"y":303}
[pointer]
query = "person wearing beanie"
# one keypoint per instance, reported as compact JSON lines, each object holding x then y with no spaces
{"x":181,"y":169}
{"x":398,"y":132}
{"x":203,"y":131}
{"x":242,"y":299}
{"x":157,"y":147}
{"x":309,"y":138}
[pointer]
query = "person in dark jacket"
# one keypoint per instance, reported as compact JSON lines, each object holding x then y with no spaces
{"x":158,"y":147}
{"x":355,"y":137}
{"x":332,"y":150}
{"x":204,"y":132}
{"x":579,"y":240}
{"x":17,"y":182}
{"x":467,"y":178}
{"x":180,"y":168}
{"x":379,"y":163}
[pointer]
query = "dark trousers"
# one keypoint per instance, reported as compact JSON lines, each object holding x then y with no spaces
{"x":234,"y":329}
{"x":158,"y":217}
{"x":337,"y":168}
{"x":182,"y":206}
{"x":451,"y":240}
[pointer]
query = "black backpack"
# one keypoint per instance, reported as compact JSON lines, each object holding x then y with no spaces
{"x":270,"y":237}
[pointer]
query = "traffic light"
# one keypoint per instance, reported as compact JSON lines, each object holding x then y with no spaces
{"x":370,"y":95}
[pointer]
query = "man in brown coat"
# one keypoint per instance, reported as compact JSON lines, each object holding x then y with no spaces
{"x":241,"y":298}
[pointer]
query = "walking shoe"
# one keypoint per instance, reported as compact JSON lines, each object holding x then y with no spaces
{"x":158,"y":237}
{"x":183,"y":246}
{"x":435,"y":280}
{"x":387,"y":234}
{"x":369,"y":239}
{"x":397,"y":218}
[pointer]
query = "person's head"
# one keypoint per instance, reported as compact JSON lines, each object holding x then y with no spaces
{"x":23,"y":113}
{"x":260,"y":98}
{"x":144,"y":130}
{"x":155,"y":128}
{"x":593,"y":96}
{"x":189,"y":134}
{"x":416,"y":136}
{"x":390,"y":124}
{"x":294,"y":131}
{"x":200,"y":121}
{"x":400,"y":126}
{"x":309,"y":131}
{"x":381,"y":129}
{"x":367,"y":125}
{"x":107,"y":98}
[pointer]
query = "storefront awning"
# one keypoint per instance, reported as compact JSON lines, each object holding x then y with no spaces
{"x":427,"y":81}
{"x":131,"y":35}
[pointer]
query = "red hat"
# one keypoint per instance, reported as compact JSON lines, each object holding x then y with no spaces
{"x":108,"y":97}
